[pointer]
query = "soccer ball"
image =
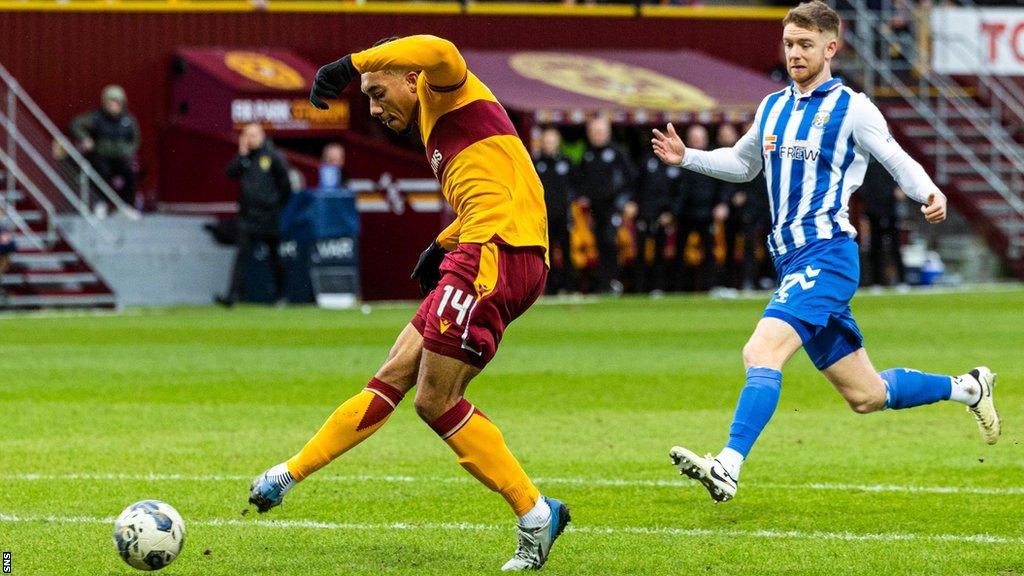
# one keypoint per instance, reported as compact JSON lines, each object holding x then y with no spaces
{"x":149,"y":534}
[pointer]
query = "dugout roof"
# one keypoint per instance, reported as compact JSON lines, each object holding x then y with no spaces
{"x":632,"y":86}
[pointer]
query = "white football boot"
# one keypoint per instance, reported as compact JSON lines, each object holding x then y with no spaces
{"x":535,"y":543}
{"x":985,"y":409}
{"x":707,"y":470}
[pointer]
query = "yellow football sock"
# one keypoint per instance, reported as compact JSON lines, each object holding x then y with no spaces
{"x":482,"y":452}
{"x":354,"y":421}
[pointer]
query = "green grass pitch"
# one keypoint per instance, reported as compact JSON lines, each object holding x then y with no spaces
{"x":186,"y":405}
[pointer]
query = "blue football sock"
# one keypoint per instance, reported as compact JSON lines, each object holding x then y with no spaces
{"x":757,"y":403}
{"x":908,"y":388}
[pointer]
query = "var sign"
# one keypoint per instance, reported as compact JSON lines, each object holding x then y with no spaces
{"x":972,"y":41}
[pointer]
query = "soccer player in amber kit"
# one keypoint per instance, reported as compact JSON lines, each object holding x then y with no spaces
{"x":482,"y":272}
{"x":813,"y":139}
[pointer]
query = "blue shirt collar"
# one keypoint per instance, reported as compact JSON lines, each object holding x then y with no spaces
{"x":825,"y":88}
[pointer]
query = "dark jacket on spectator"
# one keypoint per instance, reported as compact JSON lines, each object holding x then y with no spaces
{"x":555,"y":175}
{"x":603,"y":175}
{"x":659,"y":188}
{"x":115,"y":137}
{"x":265,"y":188}
{"x":700,"y":196}
{"x":757,"y":211}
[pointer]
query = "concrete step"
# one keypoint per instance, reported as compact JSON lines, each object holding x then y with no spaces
{"x":41,"y":259}
{"x":908,"y":113}
{"x":980,"y":186}
{"x":13,"y":197}
{"x":47,"y":237}
{"x":981,"y":150}
{"x":965,"y":133}
{"x":32,"y":216}
{"x":1011,"y":226}
{"x":996,"y":208}
{"x":69,"y":300}
{"x":960,"y":167}
{"x":49,"y":279}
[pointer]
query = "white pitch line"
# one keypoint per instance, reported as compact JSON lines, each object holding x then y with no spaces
{"x":600,"y":530}
{"x":673,"y":483}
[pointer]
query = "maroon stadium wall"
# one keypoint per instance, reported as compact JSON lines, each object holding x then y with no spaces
{"x":64,"y":59}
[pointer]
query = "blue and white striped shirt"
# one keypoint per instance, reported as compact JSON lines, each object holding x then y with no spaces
{"x":814,"y":150}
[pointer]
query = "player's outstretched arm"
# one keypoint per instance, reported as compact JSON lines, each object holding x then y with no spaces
{"x":738,"y":163}
{"x":872,"y":133}
{"x":440,"y":61}
{"x":443,"y":66}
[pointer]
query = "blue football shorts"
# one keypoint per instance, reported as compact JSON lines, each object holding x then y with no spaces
{"x":816,"y":283}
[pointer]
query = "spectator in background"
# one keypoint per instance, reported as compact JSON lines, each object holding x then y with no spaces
{"x":332,"y":167}
{"x":109,"y":139}
{"x":700,"y":197}
{"x":758,"y":270}
{"x":881,"y":199}
{"x":733,"y":205}
{"x":555,"y":170}
{"x":604,"y":176}
{"x":265,"y":187}
{"x":659,"y":197}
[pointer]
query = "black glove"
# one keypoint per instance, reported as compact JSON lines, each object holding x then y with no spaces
{"x":331,"y":80}
{"x":428,"y":268}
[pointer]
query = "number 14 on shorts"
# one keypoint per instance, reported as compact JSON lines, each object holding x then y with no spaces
{"x":459,"y":300}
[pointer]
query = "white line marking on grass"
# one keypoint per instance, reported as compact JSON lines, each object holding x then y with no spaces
{"x":636,"y":530}
{"x":813,"y":486}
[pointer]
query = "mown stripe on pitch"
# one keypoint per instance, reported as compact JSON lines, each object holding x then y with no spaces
{"x":609,"y":482}
{"x":633,"y":530}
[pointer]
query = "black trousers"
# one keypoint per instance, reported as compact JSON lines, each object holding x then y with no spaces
{"x":560,"y":276}
{"x":246,"y":242}
{"x":885,"y":244}
{"x":754,"y":235}
{"x":111,"y":168}
{"x":732,"y":267}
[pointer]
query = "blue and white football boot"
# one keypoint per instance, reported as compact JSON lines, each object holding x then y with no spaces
{"x":535,"y":543}
{"x":268,"y":489}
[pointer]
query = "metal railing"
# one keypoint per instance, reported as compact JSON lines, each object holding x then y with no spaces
{"x":13,"y":176}
{"x":40,"y":154}
{"x":938,"y":100}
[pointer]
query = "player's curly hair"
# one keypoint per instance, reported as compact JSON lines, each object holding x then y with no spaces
{"x":814,"y":14}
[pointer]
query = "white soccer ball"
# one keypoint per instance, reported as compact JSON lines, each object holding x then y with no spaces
{"x":149,"y":534}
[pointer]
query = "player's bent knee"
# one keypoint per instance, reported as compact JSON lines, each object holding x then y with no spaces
{"x":429,"y":407}
{"x":424,"y":408}
{"x":865,"y":402}
{"x":401,"y":369}
{"x":756,"y":352}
